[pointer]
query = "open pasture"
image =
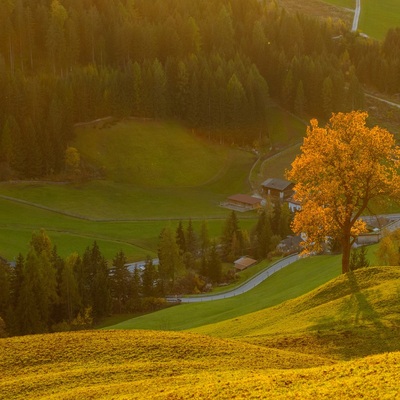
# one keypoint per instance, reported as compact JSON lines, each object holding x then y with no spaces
{"x":151,"y":154}
{"x":292,"y":281}
{"x":263,"y":358}
{"x":137,"y":238}
{"x":154,"y":173}
{"x":376,"y":17}
{"x":283,"y":128}
{"x":361,"y":308}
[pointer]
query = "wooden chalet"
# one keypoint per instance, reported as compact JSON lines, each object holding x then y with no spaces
{"x":277,"y":188}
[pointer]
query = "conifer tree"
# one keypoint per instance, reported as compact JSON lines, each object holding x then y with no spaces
{"x":180,"y":238}
{"x":262,"y":235}
{"x":214,"y":265}
{"x":120,"y":281}
{"x":232,"y":238}
{"x":70,"y":299}
{"x":170,"y":265}
{"x":149,"y":279}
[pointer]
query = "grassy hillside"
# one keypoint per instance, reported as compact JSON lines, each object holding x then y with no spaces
{"x":292,"y":281}
{"x":378,"y":16}
{"x":127,"y":215}
{"x":135,"y":238}
{"x":351,"y":316}
{"x":151,"y":154}
{"x":284,"y":129}
{"x":153,"y":173}
{"x":150,"y":365}
{"x":283,"y":352}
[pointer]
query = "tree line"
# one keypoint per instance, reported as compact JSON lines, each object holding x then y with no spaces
{"x":44,"y":292}
{"x":212,"y":65}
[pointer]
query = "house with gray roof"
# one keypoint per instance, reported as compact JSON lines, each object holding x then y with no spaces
{"x":278,"y":188}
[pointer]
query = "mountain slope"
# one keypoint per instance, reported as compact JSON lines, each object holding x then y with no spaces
{"x":152,"y":154}
{"x":93,"y":364}
{"x":353,"y":315}
{"x":164,"y":365}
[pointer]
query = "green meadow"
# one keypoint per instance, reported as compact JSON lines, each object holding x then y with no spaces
{"x":152,"y":174}
{"x":292,"y":281}
{"x":284,"y":129}
{"x":376,"y":17}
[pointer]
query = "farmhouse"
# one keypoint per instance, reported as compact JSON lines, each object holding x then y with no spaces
{"x":244,"y":262}
{"x":278,"y":188}
{"x":290,"y":244}
{"x":378,"y":227}
{"x":242,"y":202}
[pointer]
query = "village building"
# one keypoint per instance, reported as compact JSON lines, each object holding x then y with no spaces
{"x":244,"y":262}
{"x":242,"y":202}
{"x":291,"y":244}
{"x":278,"y":188}
{"x":378,"y":227}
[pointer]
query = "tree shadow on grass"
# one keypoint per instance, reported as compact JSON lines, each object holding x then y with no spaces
{"x":357,"y":330}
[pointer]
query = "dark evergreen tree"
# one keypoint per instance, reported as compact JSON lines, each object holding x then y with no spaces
{"x":149,"y":279}
{"x":120,"y":282}
{"x":262,"y":236}
{"x":180,"y":238}
{"x":170,"y":266}
{"x":70,"y":299}
{"x":232,"y":238}
{"x":358,"y":259}
{"x":214,"y":265}
{"x":135,"y":290}
{"x":5,"y":289}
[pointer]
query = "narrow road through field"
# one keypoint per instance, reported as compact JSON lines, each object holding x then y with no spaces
{"x":356,"y":16}
{"x":250,"y":284}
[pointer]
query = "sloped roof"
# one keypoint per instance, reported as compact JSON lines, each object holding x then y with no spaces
{"x":244,"y":198}
{"x":244,"y":262}
{"x":276,"y":183}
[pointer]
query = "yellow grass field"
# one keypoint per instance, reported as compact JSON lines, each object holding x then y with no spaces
{"x":291,"y":351}
{"x":164,"y":365}
{"x":352,"y":316}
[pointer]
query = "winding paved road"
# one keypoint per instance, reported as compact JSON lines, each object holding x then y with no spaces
{"x":250,"y":284}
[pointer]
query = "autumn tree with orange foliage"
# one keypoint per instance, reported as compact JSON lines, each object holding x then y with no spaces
{"x":341,"y":168}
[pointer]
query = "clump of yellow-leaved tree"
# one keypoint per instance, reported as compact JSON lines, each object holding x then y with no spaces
{"x":341,"y":168}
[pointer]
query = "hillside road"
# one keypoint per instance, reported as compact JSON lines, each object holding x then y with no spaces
{"x":250,"y":284}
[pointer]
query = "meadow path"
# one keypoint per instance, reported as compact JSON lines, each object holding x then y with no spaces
{"x":245,"y":287}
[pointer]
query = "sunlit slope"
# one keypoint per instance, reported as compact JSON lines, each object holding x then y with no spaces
{"x":151,"y":154}
{"x":292,"y":281}
{"x":350,"y":316}
{"x":98,"y":364}
{"x":164,"y":365}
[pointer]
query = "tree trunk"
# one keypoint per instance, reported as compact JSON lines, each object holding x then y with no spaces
{"x":346,"y":253}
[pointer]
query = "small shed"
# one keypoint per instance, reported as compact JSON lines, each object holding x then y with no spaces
{"x":244,"y":262}
{"x":243,"y":200}
{"x":278,"y":188}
